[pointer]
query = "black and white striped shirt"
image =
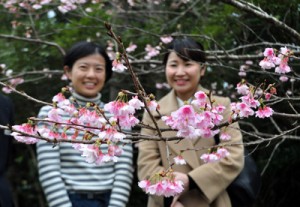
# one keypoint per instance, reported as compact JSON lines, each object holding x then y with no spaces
{"x":62,"y":169}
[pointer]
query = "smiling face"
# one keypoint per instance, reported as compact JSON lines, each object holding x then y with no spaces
{"x":183,"y":76}
{"x":87,"y":75}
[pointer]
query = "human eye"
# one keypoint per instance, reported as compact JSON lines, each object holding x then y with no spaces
{"x":82,"y":67}
{"x":172,"y":64}
{"x":188,"y":64}
{"x":99,"y":69}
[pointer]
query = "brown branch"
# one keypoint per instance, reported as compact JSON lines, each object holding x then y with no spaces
{"x":257,"y":11}
{"x":53,"y":44}
{"x":25,"y":95}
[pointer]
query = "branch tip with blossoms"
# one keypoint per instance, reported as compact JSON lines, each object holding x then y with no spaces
{"x":162,"y":184}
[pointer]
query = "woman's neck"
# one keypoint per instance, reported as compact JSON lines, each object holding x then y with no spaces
{"x":82,"y":100}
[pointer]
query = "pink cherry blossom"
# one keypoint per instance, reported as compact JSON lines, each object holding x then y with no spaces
{"x":26,"y":128}
{"x":55,"y":114}
{"x":111,"y":134}
{"x":283,"y":78}
{"x":208,"y":158}
{"x":201,"y":99}
{"x":136,"y":103}
{"x":144,"y":184}
{"x":179,"y":160}
{"x":283,"y":68}
{"x":225,"y":136}
{"x":268,"y":96}
{"x":264,"y":112}
{"x":242,"y":89}
{"x":152,"y":105}
{"x":118,"y":66}
{"x":165,"y":188}
{"x":269,"y":52}
{"x":266,"y":64}
{"x":131,"y":48}
{"x":166,"y":39}
{"x":90,"y":152}
{"x":222,"y":152}
{"x":243,"y":110}
{"x":151,"y":51}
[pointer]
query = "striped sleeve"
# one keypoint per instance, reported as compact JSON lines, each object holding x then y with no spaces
{"x":123,"y":178}
{"x":49,"y":171}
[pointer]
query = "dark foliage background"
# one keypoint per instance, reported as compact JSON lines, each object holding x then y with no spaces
{"x":217,"y":25}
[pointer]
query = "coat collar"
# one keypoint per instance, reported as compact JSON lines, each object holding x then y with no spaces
{"x":170,"y":104}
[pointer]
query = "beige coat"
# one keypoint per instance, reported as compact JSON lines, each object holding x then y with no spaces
{"x":211,"y":178}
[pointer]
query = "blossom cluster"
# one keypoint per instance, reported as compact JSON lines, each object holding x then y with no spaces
{"x":91,"y":120}
{"x":164,"y":184}
{"x":252,"y":101}
{"x":192,"y":124}
{"x":64,"y":6}
{"x":280,"y":61}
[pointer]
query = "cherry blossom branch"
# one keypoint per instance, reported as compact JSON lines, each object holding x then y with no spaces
{"x":25,"y":95}
{"x":38,"y":41}
{"x":138,"y":87}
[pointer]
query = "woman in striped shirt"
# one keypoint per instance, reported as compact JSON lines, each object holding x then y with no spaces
{"x":67,"y":179}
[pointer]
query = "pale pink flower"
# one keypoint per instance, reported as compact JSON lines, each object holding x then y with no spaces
{"x":222,"y":152}
{"x":264,"y":112}
{"x":284,"y":51}
{"x":6,"y":90}
{"x":136,"y":103}
{"x":111,"y":134}
{"x":118,"y":66}
{"x":242,"y":73}
{"x":151,"y":51}
{"x":242,"y":89}
{"x":37,"y":6}
{"x":179,"y":160}
{"x":144,"y":184}
{"x":283,"y":68}
{"x":152,"y":105}
{"x":58,"y":98}
{"x":209,"y":158}
{"x":244,"y":110}
{"x":283,"y":78}
{"x":44,"y":2}
{"x":90,"y":152}
{"x":165,"y":188}
{"x":55,"y":114}
{"x":225,"y":136}
{"x":130,"y":2}
{"x":166,"y":39}
{"x":131,"y":48}
{"x":159,"y":85}
{"x":127,"y":122}
{"x":266,"y":64}
{"x":250,"y":100}
{"x":27,"y":129}
{"x":249,"y":62}
{"x":114,"y":107}
{"x":64,"y":77}
{"x":16,"y":81}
